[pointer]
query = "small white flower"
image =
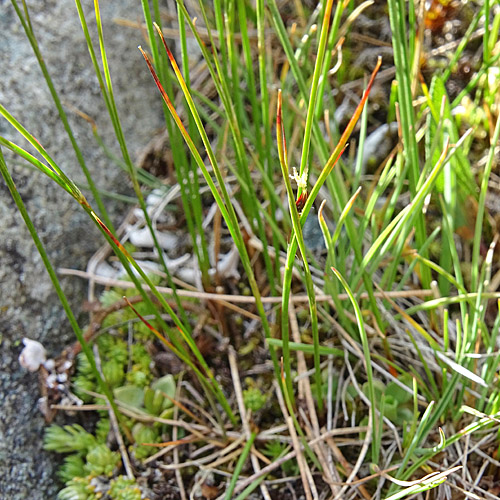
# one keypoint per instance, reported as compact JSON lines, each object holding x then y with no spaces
{"x":33,"y":355}
{"x":301,"y":180}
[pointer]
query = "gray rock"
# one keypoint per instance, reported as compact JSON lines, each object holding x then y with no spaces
{"x":28,"y":305}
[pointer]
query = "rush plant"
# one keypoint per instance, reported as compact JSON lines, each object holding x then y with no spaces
{"x":367,"y":356}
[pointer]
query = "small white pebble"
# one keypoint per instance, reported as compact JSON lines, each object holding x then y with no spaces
{"x":33,"y":355}
{"x":138,"y":213}
{"x":142,"y":238}
{"x":50,"y":365}
{"x":189,"y":275}
{"x":228,"y":264}
{"x":51,"y":380}
{"x":155,"y":197}
{"x":105,"y":270}
{"x":66,"y":365}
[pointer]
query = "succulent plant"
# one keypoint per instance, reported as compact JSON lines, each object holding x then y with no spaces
{"x":123,"y":488}
{"x":67,"y":439}
{"x":78,"y":488}
{"x":144,"y":434}
{"x":101,"y":460}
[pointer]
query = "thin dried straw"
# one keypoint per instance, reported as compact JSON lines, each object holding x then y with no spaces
{"x":233,"y":363}
{"x":301,"y":462}
{"x":305,"y":391}
{"x":175,"y":431}
{"x":241,"y":299}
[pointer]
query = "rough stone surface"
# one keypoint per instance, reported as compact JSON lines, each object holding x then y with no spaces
{"x":28,"y":305}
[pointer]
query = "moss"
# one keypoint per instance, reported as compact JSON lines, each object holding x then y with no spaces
{"x":254,"y":399}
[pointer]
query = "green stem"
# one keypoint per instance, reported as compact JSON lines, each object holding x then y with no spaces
{"x":28,"y":29}
{"x":408,"y":124}
{"x":478,"y":230}
{"x":239,"y":465}
{"x":57,"y":286}
{"x":299,"y":237}
{"x":107,"y":92}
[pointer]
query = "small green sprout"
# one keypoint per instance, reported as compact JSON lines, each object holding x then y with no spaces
{"x":254,"y":399}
